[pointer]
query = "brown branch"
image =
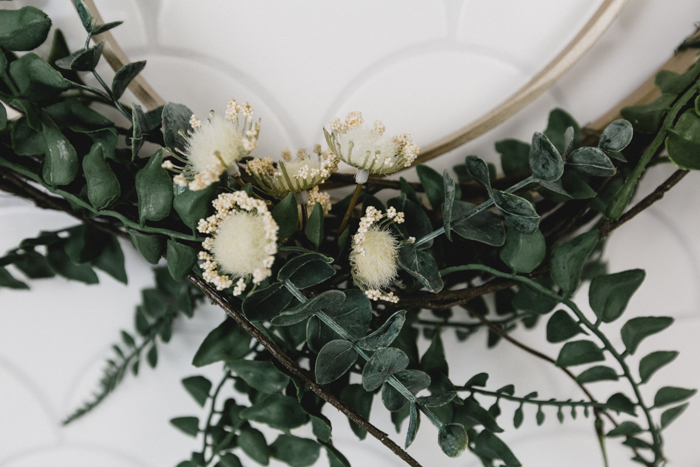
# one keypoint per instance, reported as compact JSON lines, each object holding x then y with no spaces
{"x":294,"y":369}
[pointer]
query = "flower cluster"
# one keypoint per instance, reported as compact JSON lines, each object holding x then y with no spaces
{"x":289,"y":175}
{"x":243,"y":242}
{"x":369,"y":149}
{"x":374,"y":255}
{"x":215,"y":146}
{"x":321,"y":197}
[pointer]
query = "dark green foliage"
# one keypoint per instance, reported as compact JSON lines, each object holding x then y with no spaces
{"x":545,"y":161}
{"x":523,"y":252}
{"x":417,"y":223}
{"x":314,"y":226}
{"x":7,"y":280}
{"x":484,"y":227}
{"x":188,"y":425}
{"x":579,"y":353}
{"x":36,"y":80}
{"x":449,"y":200}
{"x":636,"y":330}
{"x":278,"y":411}
{"x":227,"y":342}
{"x":670,"y":395}
{"x":154,"y":189}
{"x":558,"y":124}
{"x":490,"y":446}
{"x":413,"y":425}
{"x":124,"y":76}
{"x":383,"y":364}
{"x":307,"y":270}
{"x":414,"y":380}
{"x":82,"y":60}
{"x":102,"y":184}
{"x":433,"y":184}
{"x":385,"y":334}
{"x":421,"y":265}
{"x":474,"y":414}
{"x":597,"y":373}
{"x":253,"y":443}
{"x":561,"y":326}
{"x":61,"y":163}
{"x":266,"y":303}
{"x":176,"y":118}
{"x":591,"y":161}
{"x":355,"y":397}
{"x":518,"y":211}
{"x":260,"y":375}
{"x":181,"y":259}
{"x":621,"y":403}
{"x":567,"y":260}
{"x":670,"y":415}
{"x":610,"y":294}
{"x":150,"y":246}
{"x":295,"y":451}
{"x":647,"y":118}
{"x":625,"y":428}
{"x":651,"y":363}
{"x":433,"y":361}
{"x":616,"y":136}
{"x":683,"y":141}
{"x":198,"y":387}
{"x":23,"y":29}
{"x":514,"y":156}
{"x":477,"y":168}
{"x":334,"y":359}
{"x":285,"y":215}
{"x":192,"y":206}
{"x":452,"y":439}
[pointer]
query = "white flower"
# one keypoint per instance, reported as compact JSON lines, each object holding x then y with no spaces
{"x":321,"y":197}
{"x":369,"y":149}
{"x":374,"y":255}
{"x":293,"y":176}
{"x":243,"y":243}
{"x":215,"y":146}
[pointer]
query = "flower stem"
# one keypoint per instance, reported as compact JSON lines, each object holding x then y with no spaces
{"x":348,"y":213}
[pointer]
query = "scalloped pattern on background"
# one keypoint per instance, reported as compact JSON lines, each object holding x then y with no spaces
{"x":427,"y":68}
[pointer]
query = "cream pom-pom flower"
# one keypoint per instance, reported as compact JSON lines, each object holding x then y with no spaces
{"x":243,"y":242}
{"x":369,"y":149}
{"x":296,"y":175}
{"x":374,"y":255}
{"x":214,"y":147}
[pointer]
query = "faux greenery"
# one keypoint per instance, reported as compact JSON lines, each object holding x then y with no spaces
{"x":309,"y":321}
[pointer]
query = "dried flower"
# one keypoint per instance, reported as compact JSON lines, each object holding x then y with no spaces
{"x":374,"y":255}
{"x":215,"y":146}
{"x":243,"y":242}
{"x":321,"y":197}
{"x":293,"y":176}
{"x":369,"y":149}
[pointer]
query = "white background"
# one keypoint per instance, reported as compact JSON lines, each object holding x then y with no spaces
{"x":426,"y":68}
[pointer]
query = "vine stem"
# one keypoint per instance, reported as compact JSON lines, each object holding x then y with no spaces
{"x":212,"y":410}
{"x":655,"y":433}
{"x":524,"y":400}
{"x":338,"y":329}
{"x":297,"y":371}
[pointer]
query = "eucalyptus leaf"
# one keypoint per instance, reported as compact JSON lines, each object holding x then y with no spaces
{"x":103,"y":187}
{"x":438,"y":400}
{"x":579,"y":353}
{"x":139,"y":129}
{"x":103,"y":28}
{"x":268,"y":302}
{"x":561,"y":326}
{"x":307,"y":270}
{"x":421,"y":265}
{"x":610,"y":294}
{"x":85,"y":15}
{"x":515,"y":156}
{"x":260,"y":375}
{"x":523,"y":252}
{"x":545,"y":161}
{"x":557,"y":125}
{"x":433,"y":361}
{"x":382,"y":364}
{"x":634,"y":331}
{"x":327,"y":299}
{"x":23,"y":29}
{"x":355,"y":397}
{"x":519,"y":212}
{"x":449,"y":200}
{"x":417,"y":222}
{"x":616,"y":136}
{"x":353,"y":314}
{"x":124,"y":76}
{"x":591,"y":161}
{"x":176,"y":118}
{"x":452,"y":439}
{"x":478,"y":169}
{"x":484,"y":227}
{"x":154,"y":190}
{"x":385,"y":334}
{"x":651,"y":363}
{"x":597,"y":373}
{"x":567,"y":260}
{"x":82,"y":60}
{"x":278,"y":411}
{"x":433,"y":184}
{"x":334,"y":360}
{"x":414,"y":380}
{"x":413,"y":425}
{"x":227,"y":342}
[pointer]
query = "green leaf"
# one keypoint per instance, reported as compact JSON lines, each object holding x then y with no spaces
{"x":647,"y":118}
{"x":432,"y":183}
{"x":85,"y":15}
{"x":479,"y":415}
{"x":597,"y":373}
{"x":523,"y":252}
{"x":335,"y":457}
{"x":314,"y":226}
{"x":139,"y":129}
{"x":637,"y":329}
{"x":449,"y":200}
{"x":625,"y":428}
{"x":545,"y":161}
{"x":559,"y":122}
{"x":295,"y":451}
{"x":82,"y":60}
{"x":103,"y":187}
{"x":610,"y":294}
{"x":621,"y":403}
{"x":519,"y":212}
{"x":307,"y":270}
{"x":417,"y":223}
{"x":567,"y":260}
{"x":515,"y":156}
{"x":380,"y":367}
{"x":260,"y":375}
{"x":532,"y":300}
{"x":591,"y":161}
{"x":23,"y":29}
{"x":334,"y":360}
{"x":278,"y":411}
{"x":616,"y":136}
{"x":670,"y":415}
{"x":111,"y":259}
{"x":433,"y":361}
{"x":421,"y":265}
{"x":286,"y":216}
{"x":414,"y":380}
{"x":326,"y":300}
{"x":225,"y":343}
{"x":36,"y":80}
{"x":578,"y":353}
{"x":355,"y":397}
{"x":267,"y":303}
{"x":478,"y":169}
{"x":62,"y":264}
{"x":649,"y":364}
{"x":25,"y":140}
{"x":484,"y":227}
{"x":683,"y":141}
{"x":198,"y":387}
{"x":478,"y":379}
{"x":102,"y":28}
{"x":150,"y":246}
{"x":670,"y":82}
{"x":561,"y":326}
{"x":670,"y":395}
{"x":321,"y":427}
{"x":154,"y":190}
{"x":188,"y":425}
{"x":518,"y":417}
{"x":413,"y":425}
{"x":452,"y":439}
{"x":192,"y":206}
{"x":385,"y":334}
{"x":34,"y":265}
{"x":353,"y":314}
{"x":176,"y":118}
{"x":3,"y":117}
{"x":6,"y":280}
{"x":490,"y":446}
{"x":61,"y":163}
{"x":254,"y":445}
{"x":181,"y":259}
{"x":124,"y":76}
{"x":84,"y":243}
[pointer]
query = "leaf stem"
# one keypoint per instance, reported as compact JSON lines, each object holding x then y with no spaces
{"x":212,"y":411}
{"x":524,"y":400}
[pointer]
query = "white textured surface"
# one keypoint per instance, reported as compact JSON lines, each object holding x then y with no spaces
{"x":423,"y":67}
